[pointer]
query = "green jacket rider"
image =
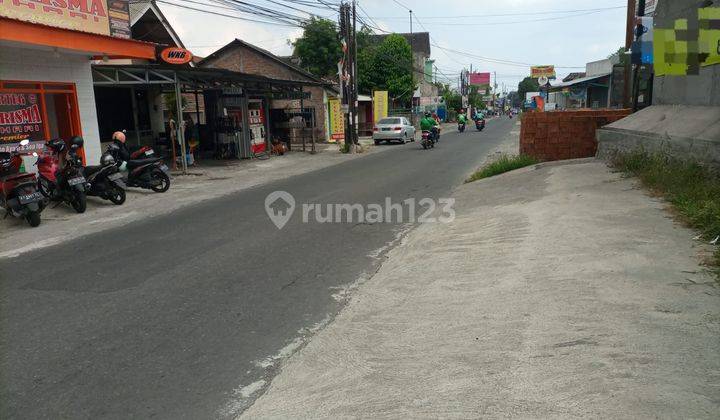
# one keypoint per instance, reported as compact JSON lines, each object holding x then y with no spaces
{"x":427,"y":123}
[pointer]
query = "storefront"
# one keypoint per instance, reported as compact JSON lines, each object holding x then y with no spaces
{"x":46,"y":88}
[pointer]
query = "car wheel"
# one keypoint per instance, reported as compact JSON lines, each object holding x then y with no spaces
{"x":403,"y":139}
{"x":377,"y":142}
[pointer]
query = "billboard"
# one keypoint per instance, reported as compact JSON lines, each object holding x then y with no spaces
{"x":380,"y":104}
{"x":479,"y":79}
{"x":104,"y":17}
{"x":20,"y":119}
{"x":537,"y":72}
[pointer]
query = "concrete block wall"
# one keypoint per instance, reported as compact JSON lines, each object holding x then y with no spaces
{"x":45,"y":66}
{"x":564,"y":134}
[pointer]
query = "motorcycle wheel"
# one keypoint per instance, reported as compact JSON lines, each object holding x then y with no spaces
{"x":33,"y":218}
{"x":44,"y":187}
{"x":117,"y":195}
{"x":164,"y":181}
{"x":78,"y":201}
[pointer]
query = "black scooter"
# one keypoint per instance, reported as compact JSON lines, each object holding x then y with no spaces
{"x":105,"y":180}
{"x":480,"y":124}
{"x":461,"y":127}
{"x":150,"y":173}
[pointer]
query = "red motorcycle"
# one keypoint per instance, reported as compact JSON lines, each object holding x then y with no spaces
{"x":61,"y":176}
{"x":18,"y":191}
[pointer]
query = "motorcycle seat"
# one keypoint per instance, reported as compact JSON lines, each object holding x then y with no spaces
{"x":16,"y":176}
{"x":89,"y":170}
{"x":134,"y":163}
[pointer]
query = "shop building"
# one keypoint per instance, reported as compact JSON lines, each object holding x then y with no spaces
{"x":296,"y":117}
{"x":46,"y":81}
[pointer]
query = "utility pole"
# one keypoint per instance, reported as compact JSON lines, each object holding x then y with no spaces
{"x":348,"y":78}
{"x":629,"y":36}
{"x":412,"y":71}
{"x":636,"y":67}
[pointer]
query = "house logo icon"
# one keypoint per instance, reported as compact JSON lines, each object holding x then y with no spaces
{"x":279,"y":206}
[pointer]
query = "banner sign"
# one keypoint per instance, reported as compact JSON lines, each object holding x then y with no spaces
{"x":479,"y":79}
{"x":380,"y":104}
{"x":104,"y":17}
{"x":537,"y":72}
{"x":20,"y":119}
{"x":680,"y":50}
{"x":337,"y":120}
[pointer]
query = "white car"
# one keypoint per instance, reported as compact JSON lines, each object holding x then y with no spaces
{"x":393,"y":128}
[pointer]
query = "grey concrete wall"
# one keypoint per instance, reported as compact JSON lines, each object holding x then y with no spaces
{"x":702,"y":89}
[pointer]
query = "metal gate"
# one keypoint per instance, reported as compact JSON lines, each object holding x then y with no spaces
{"x":294,"y":126}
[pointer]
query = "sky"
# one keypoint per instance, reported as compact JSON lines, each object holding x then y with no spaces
{"x":564,"y":33}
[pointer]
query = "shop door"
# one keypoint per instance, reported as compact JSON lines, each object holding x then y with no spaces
{"x":61,"y":111}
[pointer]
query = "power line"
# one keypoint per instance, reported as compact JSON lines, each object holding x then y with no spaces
{"x":182,"y":6}
{"x":549,"y":12}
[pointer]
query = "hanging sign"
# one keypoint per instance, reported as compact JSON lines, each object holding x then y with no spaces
{"x":540,"y":71}
{"x":104,"y":17}
{"x":175,"y":55}
{"x":20,"y":119}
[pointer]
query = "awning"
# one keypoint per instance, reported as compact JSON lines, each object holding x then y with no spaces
{"x":16,"y":31}
{"x":198,"y":77}
{"x":578,"y":81}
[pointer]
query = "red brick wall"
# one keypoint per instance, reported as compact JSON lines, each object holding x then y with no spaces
{"x":564,"y":134}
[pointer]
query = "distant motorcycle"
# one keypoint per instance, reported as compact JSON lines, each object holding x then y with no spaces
{"x":105,"y":180}
{"x":480,"y":124}
{"x":18,"y":191}
{"x":461,"y":127}
{"x":149,"y":173}
{"x":61,"y":177}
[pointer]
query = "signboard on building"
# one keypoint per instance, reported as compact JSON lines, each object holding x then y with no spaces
{"x":104,"y":17}
{"x":380,"y":104}
{"x":673,"y":50}
{"x":540,"y":71}
{"x":337,"y":120}
{"x":479,"y":79}
{"x":20,"y":119}
{"x":174,"y":55}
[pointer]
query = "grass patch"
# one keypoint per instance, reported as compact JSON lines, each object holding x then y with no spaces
{"x":690,"y":187}
{"x":504,"y":164}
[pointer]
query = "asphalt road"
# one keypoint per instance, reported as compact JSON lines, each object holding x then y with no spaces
{"x":185,"y":316}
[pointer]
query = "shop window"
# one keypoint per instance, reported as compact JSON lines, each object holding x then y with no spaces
{"x":48,"y":110}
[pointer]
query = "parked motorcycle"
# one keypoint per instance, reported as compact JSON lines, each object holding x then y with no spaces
{"x":18,"y":191}
{"x":61,"y":179}
{"x":149,"y":173}
{"x":105,"y":180}
{"x":480,"y":124}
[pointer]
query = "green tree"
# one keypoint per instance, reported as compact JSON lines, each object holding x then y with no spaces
{"x":527,"y":85}
{"x":319,"y":47}
{"x":386,"y":67}
{"x":624,"y":58}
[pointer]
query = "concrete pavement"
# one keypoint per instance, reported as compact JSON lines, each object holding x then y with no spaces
{"x":561,"y":291}
{"x":188,"y":313}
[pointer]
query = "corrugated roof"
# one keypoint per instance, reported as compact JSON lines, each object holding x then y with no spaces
{"x":578,"y":81}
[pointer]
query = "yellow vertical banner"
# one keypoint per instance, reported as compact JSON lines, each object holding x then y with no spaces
{"x":380,"y":104}
{"x":337,"y":122}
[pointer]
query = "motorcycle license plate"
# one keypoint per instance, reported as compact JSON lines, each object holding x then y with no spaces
{"x":30,"y":198}
{"x":148,"y":153}
{"x":75,"y":181}
{"x":164,"y":168}
{"x":115,"y":176}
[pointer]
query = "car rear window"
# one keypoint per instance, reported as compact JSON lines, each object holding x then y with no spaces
{"x":388,"y":121}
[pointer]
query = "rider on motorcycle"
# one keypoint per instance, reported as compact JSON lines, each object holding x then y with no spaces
{"x":428,"y":123}
{"x":121,"y":153}
{"x":461,"y":118}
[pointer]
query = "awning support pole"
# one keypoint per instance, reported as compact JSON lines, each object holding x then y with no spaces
{"x":180,"y":124}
